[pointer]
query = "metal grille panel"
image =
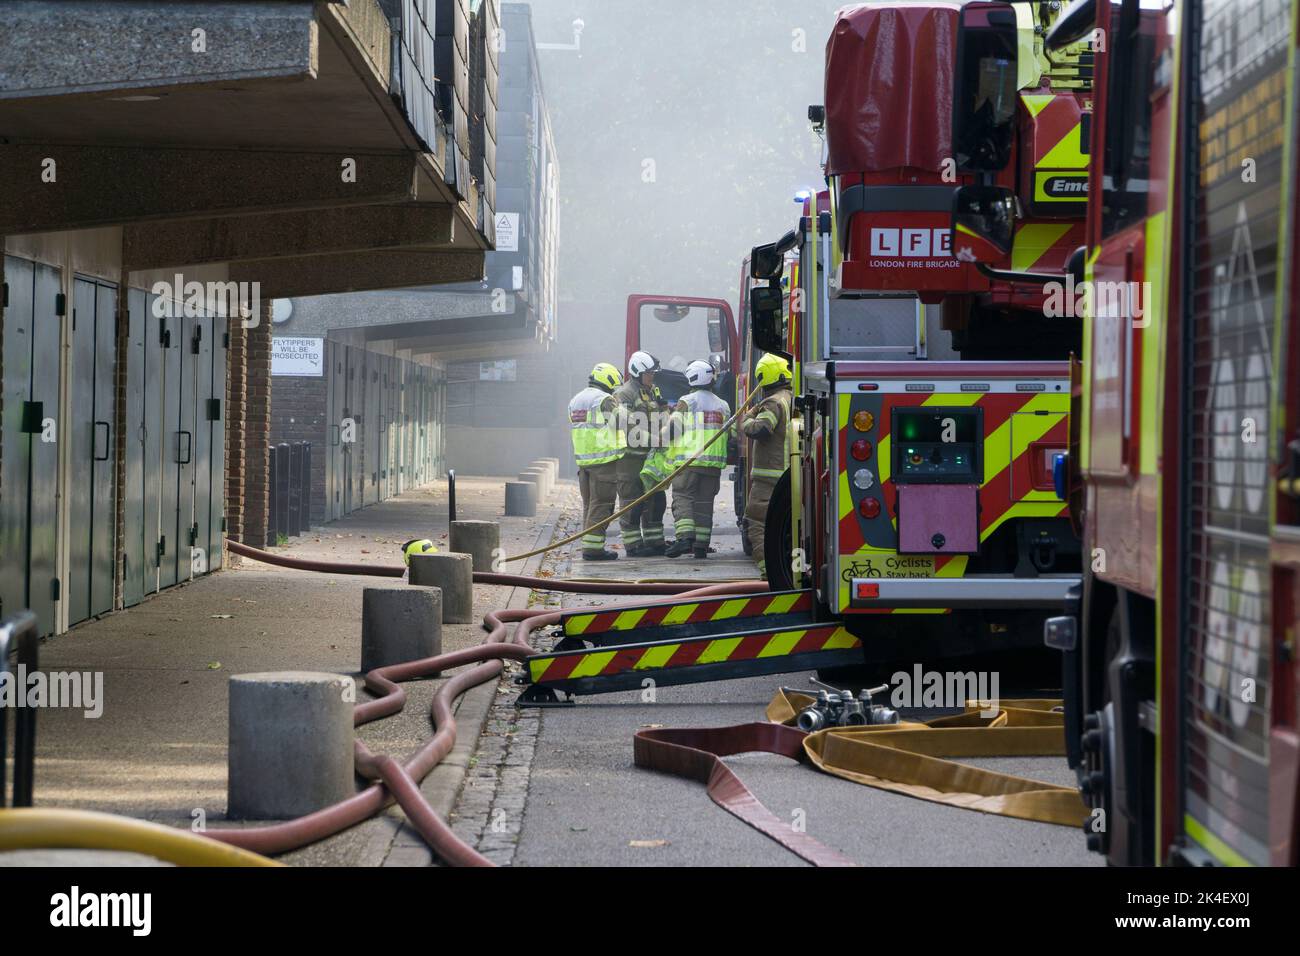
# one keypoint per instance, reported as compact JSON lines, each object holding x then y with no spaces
{"x":1238,"y":99}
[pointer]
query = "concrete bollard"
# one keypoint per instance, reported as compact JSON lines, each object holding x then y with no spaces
{"x":552,"y":471}
{"x":537,"y":477}
{"x":555,"y":468}
{"x":478,"y":539}
{"x":399,"y":624}
{"x":453,"y":575}
{"x":290,"y":744}
{"x":521,"y":499}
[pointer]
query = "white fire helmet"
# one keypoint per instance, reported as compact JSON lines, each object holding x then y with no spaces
{"x":699,"y":374}
{"x":640,"y":363}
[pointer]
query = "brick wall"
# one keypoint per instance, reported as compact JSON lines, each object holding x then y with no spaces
{"x":298,"y":414}
{"x":236,"y":412}
{"x":257,"y":429}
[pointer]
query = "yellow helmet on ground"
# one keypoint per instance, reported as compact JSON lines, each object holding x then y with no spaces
{"x":418,"y":546}
{"x":606,"y":376}
{"x":771,"y":368}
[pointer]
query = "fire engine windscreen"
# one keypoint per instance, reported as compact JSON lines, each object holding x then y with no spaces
{"x":679,"y":334}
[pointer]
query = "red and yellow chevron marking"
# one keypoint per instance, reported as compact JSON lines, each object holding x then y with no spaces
{"x":701,"y":650}
{"x":693,"y":612}
{"x":1057,"y":135}
{"x":1017,"y":426}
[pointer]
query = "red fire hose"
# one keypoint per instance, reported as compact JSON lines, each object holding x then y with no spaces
{"x":480,"y":577}
{"x":400,"y":781}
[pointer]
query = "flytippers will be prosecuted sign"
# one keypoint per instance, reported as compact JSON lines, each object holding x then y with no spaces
{"x":291,"y":355}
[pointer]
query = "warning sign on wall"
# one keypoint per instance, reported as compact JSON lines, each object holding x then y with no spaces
{"x":507,"y":224}
{"x":292,"y":355}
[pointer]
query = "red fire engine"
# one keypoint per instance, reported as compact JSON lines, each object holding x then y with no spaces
{"x":1180,"y":668}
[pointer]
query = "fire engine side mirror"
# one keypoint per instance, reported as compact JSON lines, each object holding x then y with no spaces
{"x":768,"y":260}
{"x":985,"y":93}
{"x":1075,"y":266}
{"x":983,"y":223}
{"x":765,"y":317}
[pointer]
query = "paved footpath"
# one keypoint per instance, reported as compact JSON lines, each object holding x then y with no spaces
{"x":158,"y":752}
{"x":557,"y":786}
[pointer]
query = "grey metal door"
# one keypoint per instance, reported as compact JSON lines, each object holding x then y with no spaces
{"x":81,"y":421}
{"x":354,"y":409}
{"x":133,"y":497}
{"x":43,"y":510}
{"x":216,"y":415}
{"x":15,"y":452}
{"x":153,"y":427}
{"x":200,"y":336}
{"x":372,"y":423}
{"x":104,"y":452}
{"x":29,"y":459}
{"x":91,"y":472}
{"x":172,"y":343}
{"x":186,"y":462}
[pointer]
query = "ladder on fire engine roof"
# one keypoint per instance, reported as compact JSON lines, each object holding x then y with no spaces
{"x":822,"y":294}
{"x":685,"y":643}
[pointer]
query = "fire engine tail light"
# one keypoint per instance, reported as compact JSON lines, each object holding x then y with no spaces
{"x":863,"y":479}
{"x":863,"y":421}
{"x":869,"y":508}
{"x":866,"y":591}
{"x":860,"y":449}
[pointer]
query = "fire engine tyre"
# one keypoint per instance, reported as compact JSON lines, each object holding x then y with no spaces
{"x":778,"y":539}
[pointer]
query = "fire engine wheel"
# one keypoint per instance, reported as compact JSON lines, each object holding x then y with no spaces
{"x":778,"y":543}
{"x":1098,"y":744}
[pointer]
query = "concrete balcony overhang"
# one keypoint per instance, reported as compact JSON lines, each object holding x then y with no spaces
{"x":465,"y":323}
{"x":181,"y":115}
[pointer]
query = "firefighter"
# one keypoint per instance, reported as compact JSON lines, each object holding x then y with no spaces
{"x":766,"y":425}
{"x":696,"y":419}
{"x":637,"y":408}
{"x":417,"y":546}
{"x":598,"y":444}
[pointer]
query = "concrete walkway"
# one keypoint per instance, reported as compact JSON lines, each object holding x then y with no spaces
{"x":158,"y":752}
{"x":557,"y":786}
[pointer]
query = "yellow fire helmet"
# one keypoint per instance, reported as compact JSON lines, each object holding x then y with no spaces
{"x":606,"y":376}
{"x":771,"y":368}
{"x":418,"y":546}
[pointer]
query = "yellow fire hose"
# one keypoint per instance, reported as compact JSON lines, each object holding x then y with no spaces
{"x":39,"y":829}
{"x":649,"y":494}
{"x":908,"y":757}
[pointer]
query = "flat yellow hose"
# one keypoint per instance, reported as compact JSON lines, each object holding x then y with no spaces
{"x":40,"y":829}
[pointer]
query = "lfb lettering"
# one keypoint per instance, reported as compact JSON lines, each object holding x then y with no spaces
{"x":912,"y":243}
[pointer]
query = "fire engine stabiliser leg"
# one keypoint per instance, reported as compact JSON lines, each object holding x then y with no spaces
{"x":686,"y":642}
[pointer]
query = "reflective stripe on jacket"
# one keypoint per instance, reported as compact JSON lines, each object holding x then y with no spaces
{"x":597,"y":438}
{"x":656,"y":467}
{"x":697,"y":418}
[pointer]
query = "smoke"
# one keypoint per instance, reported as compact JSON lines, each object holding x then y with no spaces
{"x":682,"y":134}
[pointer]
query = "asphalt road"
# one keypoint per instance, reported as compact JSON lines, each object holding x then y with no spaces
{"x":588,"y":804}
